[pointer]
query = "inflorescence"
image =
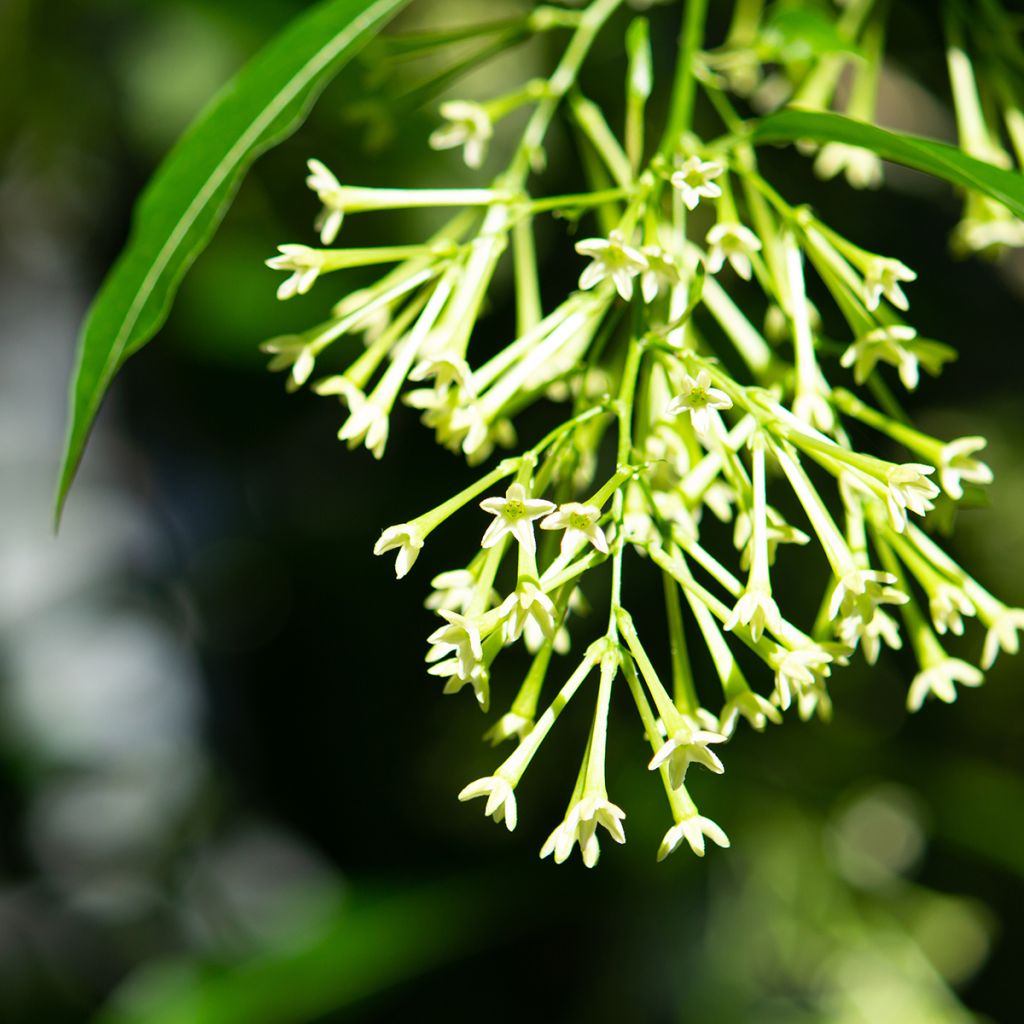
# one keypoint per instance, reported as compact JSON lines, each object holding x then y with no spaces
{"x":680,"y":411}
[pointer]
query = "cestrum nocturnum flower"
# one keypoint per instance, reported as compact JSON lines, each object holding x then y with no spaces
{"x":939,"y":679}
{"x":328,"y":191}
{"x":909,"y":489}
{"x":580,"y":524}
{"x":899,"y":346}
{"x":695,"y":181}
{"x":611,"y":258}
{"x":693,"y":830}
{"x":956,"y":465}
{"x":688,"y":742}
{"x":698,"y":398}
{"x":1002,"y":634}
{"x":501,"y":798}
{"x":580,"y":826}
{"x":468,"y":126}
{"x":408,"y":538}
{"x":527,"y":602}
{"x":304,"y":263}
{"x":514,"y":514}
{"x":735,"y":243}
{"x":883,"y":277}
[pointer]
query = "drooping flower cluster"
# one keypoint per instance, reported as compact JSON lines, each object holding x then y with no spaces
{"x":688,"y":441}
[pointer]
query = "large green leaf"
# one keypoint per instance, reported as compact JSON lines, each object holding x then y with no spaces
{"x":190,"y":192}
{"x":937,"y":158}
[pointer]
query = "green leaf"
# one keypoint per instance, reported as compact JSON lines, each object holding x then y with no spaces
{"x":800,"y":33}
{"x":937,"y":158}
{"x":191,"y":191}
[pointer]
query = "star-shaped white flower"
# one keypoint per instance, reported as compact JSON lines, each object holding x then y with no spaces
{"x":689,"y":742}
{"x":947,"y":605}
{"x":694,"y":830}
{"x":801,"y":674}
{"x":461,"y":636}
{"x":862,"y":168}
{"x":526,"y":602}
{"x":883,"y":277}
{"x":468,"y":126}
{"x":367,"y":422}
{"x":698,"y":398}
{"x":408,"y":538}
{"x":580,"y":826}
{"x":757,"y":609}
{"x":899,"y":346}
{"x":880,"y":628}
{"x":735,"y":243}
{"x":514,"y":514}
{"x":940,"y":679}
{"x":757,"y":710}
{"x":1002,"y":635}
{"x":956,"y":464}
{"x":909,"y":489}
{"x":501,"y":799}
{"x":580,"y":524}
{"x":695,"y":181}
{"x":612,"y":258}
{"x":662,"y":272}
{"x":859,"y":593}
{"x":328,"y":190}
{"x":305,"y":265}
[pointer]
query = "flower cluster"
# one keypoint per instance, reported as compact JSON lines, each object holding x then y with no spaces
{"x":657,"y":438}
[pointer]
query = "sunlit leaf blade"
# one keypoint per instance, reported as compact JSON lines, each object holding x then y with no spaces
{"x":937,"y":158}
{"x":190,"y":192}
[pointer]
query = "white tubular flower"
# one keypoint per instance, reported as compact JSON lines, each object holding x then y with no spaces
{"x":862,"y":168}
{"x":453,"y":591}
{"x":662,"y":272}
{"x":735,"y":243}
{"x":305,"y":265}
{"x":698,"y":398}
{"x":695,"y":181}
{"x":956,"y":465}
{"x":939,"y":679}
{"x":367,"y":422}
{"x":871,"y":634}
{"x":909,"y":489}
{"x":689,"y":742}
{"x":580,"y":826}
{"x":408,"y":538}
{"x":883,"y":277}
{"x":468,"y":126}
{"x":860,"y":591}
{"x":947,"y":605}
{"x":510,"y":724}
{"x":694,"y":830}
{"x":514,"y":514}
{"x":501,"y":799}
{"x":757,"y":710}
{"x":757,"y":609}
{"x":1002,"y":635}
{"x":801,"y":674}
{"x":526,"y":602}
{"x":612,"y":258}
{"x":580,"y":524}
{"x":899,"y":346}
{"x":328,"y":191}
{"x":461,"y":635}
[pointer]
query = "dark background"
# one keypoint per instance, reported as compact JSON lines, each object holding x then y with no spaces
{"x":227,"y":786}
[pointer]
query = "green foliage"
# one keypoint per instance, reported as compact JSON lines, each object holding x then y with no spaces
{"x":935,"y":158}
{"x":189,"y":194}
